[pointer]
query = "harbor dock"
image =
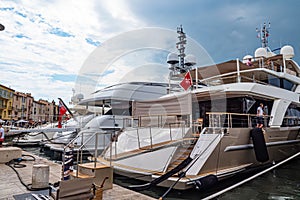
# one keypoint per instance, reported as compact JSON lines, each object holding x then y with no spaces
{"x":12,"y":189}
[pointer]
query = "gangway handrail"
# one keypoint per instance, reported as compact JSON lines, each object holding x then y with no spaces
{"x":181,"y":125}
{"x":230,"y":119}
{"x":80,"y":149}
{"x":96,"y":149}
{"x":64,"y":153}
{"x":170,"y":157}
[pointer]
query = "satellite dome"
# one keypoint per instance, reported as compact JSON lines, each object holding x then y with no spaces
{"x":287,"y":51}
{"x":172,"y":58}
{"x":79,"y":97}
{"x":261,"y":52}
{"x":190,"y":60}
{"x":246,"y":58}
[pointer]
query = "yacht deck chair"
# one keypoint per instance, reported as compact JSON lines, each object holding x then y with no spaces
{"x":74,"y":189}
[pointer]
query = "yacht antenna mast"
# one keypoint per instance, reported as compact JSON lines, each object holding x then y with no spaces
{"x":181,"y":47}
{"x":263,"y":34}
{"x":180,"y":63}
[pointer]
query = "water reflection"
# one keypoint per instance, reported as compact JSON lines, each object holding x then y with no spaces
{"x":282,"y":183}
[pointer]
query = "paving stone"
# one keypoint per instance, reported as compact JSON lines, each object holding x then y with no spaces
{"x":10,"y":184}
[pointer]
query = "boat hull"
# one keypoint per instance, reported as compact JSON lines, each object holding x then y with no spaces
{"x":233,"y":154}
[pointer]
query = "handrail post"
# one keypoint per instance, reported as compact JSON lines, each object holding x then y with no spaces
{"x":183,"y":130}
{"x":77,"y":163}
{"x":249,"y":120}
{"x":238,"y":70}
{"x":151,"y":142}
{"x":81,"y":152}
{"x":138,"y":137}
{"x":157,"y":120}
{"x":110,"y":150}
{"x":81,"y":138}
{"x":170,"y":125}
{"x":96,"y":151}
{"x":63,"y":164}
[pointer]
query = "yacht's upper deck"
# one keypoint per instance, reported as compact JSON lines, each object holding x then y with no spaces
{"x":260,"y":71}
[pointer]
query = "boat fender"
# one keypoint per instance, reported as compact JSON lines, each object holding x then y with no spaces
{"x":259,"y":145}
{"x":206,"y":181}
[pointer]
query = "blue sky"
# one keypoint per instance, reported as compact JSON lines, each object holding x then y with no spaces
{"x":46,"y":43}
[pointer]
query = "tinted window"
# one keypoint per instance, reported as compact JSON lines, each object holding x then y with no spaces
{"x":288,"y":85}
{"x":272,"y":80}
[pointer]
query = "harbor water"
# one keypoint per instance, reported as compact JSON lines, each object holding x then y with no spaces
{"x":282,"y":183}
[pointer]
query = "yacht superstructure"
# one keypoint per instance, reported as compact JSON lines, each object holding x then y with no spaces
{"x":209,"y":132}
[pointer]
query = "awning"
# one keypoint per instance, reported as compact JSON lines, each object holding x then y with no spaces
{"x":217,"y":69}
{"x":180,"y":104}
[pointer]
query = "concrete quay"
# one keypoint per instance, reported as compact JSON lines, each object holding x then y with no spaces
{"x":10,"y":186}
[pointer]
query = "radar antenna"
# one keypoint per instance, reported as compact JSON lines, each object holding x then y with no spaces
{"x":263,"y":34}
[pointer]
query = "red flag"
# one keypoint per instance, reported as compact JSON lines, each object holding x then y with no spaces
{"x":62,"y":111}
{"x":186,"y":83}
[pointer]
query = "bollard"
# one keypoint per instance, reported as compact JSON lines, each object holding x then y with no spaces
{"x":98,"y":194}
{"x":40,"y":176}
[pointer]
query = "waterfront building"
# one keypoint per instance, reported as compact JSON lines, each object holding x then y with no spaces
{"x":6,"y":101}
{"x":22,"y":106}
{"x":16,"y":106}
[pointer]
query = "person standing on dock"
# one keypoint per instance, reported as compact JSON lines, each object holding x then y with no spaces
{"x":1,"y":135}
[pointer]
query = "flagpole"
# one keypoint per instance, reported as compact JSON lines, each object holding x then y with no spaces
{"x":67,"y":108}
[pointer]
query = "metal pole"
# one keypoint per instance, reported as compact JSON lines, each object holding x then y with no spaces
{"x":196,"y":70}
{"x":110,"y":149}
{"x":151,"y":142}
{"x":138,"y":137}
{"x":78,"y":162}
{"x":96,"y":151}
{"x":284,"y":65}
{"x":238,"y":70}
{"x":67,"y":108}
{"x":63,"y":164}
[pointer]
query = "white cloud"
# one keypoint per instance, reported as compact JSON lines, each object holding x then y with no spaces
{"x":119,"y":10}
{"x":138,"y":55}
{"x":46,"y":38}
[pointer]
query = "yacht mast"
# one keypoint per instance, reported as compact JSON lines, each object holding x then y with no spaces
{"x":263,"y":34}
{"x":181,"y":47}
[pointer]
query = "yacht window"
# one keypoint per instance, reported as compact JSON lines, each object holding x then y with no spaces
{"x":272,"y":80}
{"x":288,"y":85}
{"x":292,"y":116}
{"x":248,"y":103}
{"x":116,"y":111}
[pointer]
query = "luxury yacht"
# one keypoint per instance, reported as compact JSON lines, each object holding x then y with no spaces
{"x":211,"y":131}
{"x":50,"y":133}
{"x":110,"y":106}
